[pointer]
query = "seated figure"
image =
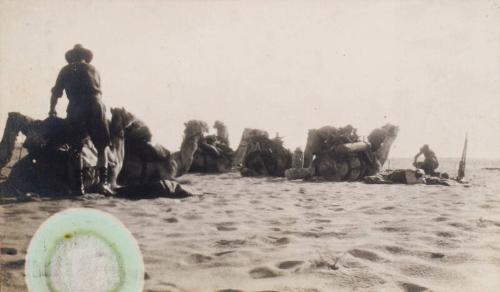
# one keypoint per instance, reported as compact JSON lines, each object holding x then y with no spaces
{"x":430,"y":163}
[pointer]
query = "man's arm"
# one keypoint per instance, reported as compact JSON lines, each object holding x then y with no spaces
{"x":416,"y":156}
{"x":53,"y":103}
{"x":57,"y":92}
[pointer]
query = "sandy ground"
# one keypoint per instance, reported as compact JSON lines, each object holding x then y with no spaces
{"x":262,"y":234}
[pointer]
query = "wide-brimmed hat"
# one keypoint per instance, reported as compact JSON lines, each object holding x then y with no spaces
{"x":78,"y":52}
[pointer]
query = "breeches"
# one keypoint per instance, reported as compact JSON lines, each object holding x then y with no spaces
{"x":88,"y":118}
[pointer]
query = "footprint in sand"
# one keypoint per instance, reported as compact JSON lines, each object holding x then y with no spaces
{"x":459,"y":225}
{"x":396,"y":250}
{"x":8,"y":251}
{"x":279,"y":240}
{"x":394,"y":229}
{"x":263,"y":272}
{"x":199,"y":258}
{"x":425,"y":271}
{"x":171,"y":220}
{"x":409,"y":287}
{"x":446,"y":234}
{"x":440,"y":219}
{"x":366,"y":255}
{"x":289,"y":264}
{"x":323,"y":220}
{"x":13,"y":265}
{"x":230,"y":243}
{"x":192,"y":217}
{"x":225,"y":226}
{"x":223,"y":253}
{"x":435,"y":255}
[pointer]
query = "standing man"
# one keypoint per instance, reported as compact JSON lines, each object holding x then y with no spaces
{"x":430,"y":162}
{"x":86,"y":113}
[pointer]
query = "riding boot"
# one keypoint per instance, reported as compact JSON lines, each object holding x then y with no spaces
{"x":76,"y":170}
{"x":78,"y":187}
{"x":104,"y":187}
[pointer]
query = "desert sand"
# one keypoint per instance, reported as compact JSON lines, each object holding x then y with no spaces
{"x":269,"y":234}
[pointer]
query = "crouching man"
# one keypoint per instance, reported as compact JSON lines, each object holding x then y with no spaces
{"x":430,"y":163}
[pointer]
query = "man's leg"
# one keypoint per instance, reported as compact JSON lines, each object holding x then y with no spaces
{"x":77,"y":134}
{"x":99,"y":133}
{"x":102,"y":159}
{"x":102,"y":165}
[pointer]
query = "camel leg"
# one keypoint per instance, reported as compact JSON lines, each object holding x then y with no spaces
{"x":115,"y":165}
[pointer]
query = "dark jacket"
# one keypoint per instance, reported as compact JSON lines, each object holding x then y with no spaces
{"x":79,"y":80}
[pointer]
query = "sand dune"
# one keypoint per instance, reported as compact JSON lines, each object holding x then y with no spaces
{"x":262,"y":234}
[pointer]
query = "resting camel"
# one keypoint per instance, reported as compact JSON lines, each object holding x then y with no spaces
{"x":213,"y":154}
{"x":260,"y":156}
{"x":136,"y":164}
{"x":337,"y":154}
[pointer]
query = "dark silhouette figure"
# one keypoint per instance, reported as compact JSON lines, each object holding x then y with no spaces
{"x":430,"y":163}
{"x":86,"y":112}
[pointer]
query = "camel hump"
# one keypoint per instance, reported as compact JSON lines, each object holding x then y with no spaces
{"x":154,"y":152}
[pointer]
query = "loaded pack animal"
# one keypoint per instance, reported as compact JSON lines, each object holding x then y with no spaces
{"x":138,"y":167}
{"x":338,"y":154}
{"x":258,"y":155}
{"x":214,"y":155}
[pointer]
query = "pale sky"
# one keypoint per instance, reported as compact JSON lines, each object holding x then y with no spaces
{"x":431,"y":67}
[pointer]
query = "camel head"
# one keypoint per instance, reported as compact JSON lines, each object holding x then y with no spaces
{"x":381,"y":140}
{"x":392,"y":130}
{"x":135,"y":130}
{"x":118,"y":122}
{"x":220,"y":126}
{"x":195,"y":128}
{"x":194,"y":131}
{"x":222,"y":133}
{"x":120,"y":119}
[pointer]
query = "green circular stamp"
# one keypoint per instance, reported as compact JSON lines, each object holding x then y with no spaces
{"x":83,"y":249}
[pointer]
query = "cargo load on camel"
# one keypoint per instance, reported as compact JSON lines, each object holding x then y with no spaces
{"x":338,"y":154}
{"x":258,"y":155}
